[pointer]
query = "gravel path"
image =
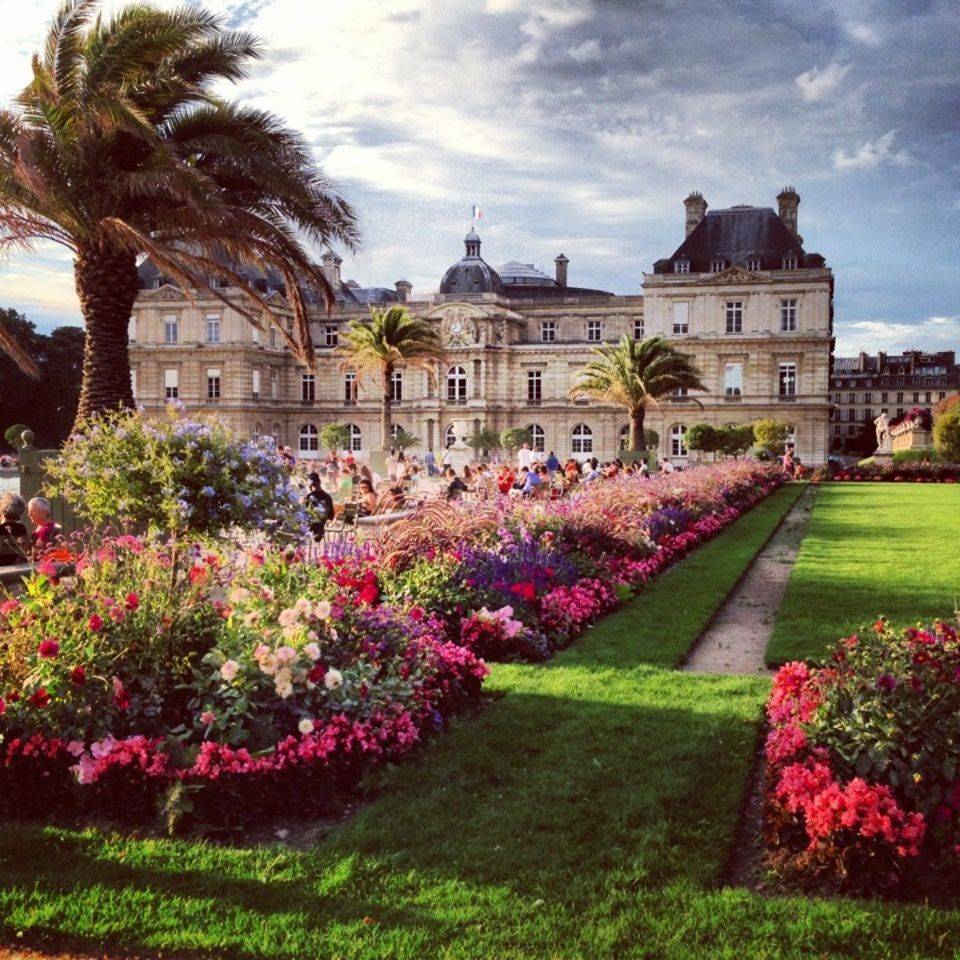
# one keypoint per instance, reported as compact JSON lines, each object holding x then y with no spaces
{"x":736,"y":640}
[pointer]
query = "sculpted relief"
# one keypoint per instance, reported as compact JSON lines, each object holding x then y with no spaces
{"x":459,"y":329}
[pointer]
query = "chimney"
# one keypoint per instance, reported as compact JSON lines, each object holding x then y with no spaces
{"x":561,"y":263}
{"x":789,"y":201}
{"x":403,"y":290}
{"x":696,"y":208}
{"x":331,"y":269}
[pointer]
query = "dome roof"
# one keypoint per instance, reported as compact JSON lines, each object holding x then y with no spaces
{"x":527,"y":274}
{"x":472,"y":274}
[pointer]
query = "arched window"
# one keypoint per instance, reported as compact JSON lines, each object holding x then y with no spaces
{"x":277,"y":439}
{"x":356,"y":437}
{"x":538,"y":439}
{"x":677,"y":434}
{"x":449,"y":436}
{"x":623,"y":439}
{"x":581,"y":439}
{"x":308,"y":438}
{"x":257,"y":430}
{"x":395,"y":428}
{"x":456,"y":385}
{"x":396,"y":386}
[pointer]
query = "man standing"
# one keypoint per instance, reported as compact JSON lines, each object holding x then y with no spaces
{"x":553,"y":464}
{"x":524,"y":457}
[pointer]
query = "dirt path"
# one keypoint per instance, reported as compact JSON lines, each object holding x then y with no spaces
{"x":736,"y":639}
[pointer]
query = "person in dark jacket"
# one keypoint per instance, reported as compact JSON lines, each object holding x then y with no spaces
{"x":14,"y":542}
{"x":321,"y":506}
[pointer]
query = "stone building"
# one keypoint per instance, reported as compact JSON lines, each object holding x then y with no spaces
{"x":863,"y":387}
{"x":739,"y":293}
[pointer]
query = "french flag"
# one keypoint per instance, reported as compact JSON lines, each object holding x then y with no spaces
{"x":477,"y":213}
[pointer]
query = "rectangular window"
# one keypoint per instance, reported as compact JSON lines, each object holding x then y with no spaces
{"x":717,"y":265}
{"x":927,"y":397}
{"x":867,"y":415}
{"x":789,"y":263}
{"x":754,"y":263}
{"x":899,"y":411}
{"x":171,"y":384}
{"x":256,"y":384}
{"x":788,"y":379}
{"x":132,"y":329}
{"x":308,"y":387}
{"x":274,"y":385}
{"x":594,"y":331}
{"x":868,"y":398}
{"x":883,"y":397}
{"x":213,"y":383}
{"x":916,"y":398}
{"x":273,"y":337}
{"x":681,"y":266}
{"x":213,"y":329}
{"x":254,"y":334}
{"x":851,"y":398}
{"x":638,"y":329}
{"x":396,"y":387}
{"x":350,"y":388}
{"x":534,"y":386}
{"x":681,"y":318}
{"x":733,"y":379}
{"x":133,"y":382}
{"x":331,"y":335}
{"x":734,"y":313}
{"x":899,"y":398}
{"x":941,"y":395}
{"x":788,"y":315}
{"x":171,"y":330}
{"x":548,"y":331}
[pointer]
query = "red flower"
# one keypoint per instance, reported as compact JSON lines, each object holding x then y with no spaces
{"x":78,"y":676}
{"x":3,"y":706}
{"x":95,"y":623}
{"x":880,"y":626}
{"x":133,"y":601}
{"x":41,"y":698}
{"x":48,"y":649}
{"x":369,"y":594}
{"x":525,"y":591}
{"x":317,"y":673}
{"x":121,"y":699}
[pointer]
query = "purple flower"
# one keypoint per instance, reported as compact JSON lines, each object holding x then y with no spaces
{"x":886,"y":681}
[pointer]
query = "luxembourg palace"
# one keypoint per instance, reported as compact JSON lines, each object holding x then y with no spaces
{"x":740,"y":293}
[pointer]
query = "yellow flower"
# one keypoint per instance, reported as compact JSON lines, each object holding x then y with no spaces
{"x":917,"y":778}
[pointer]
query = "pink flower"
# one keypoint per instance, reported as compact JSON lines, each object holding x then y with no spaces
{"x":208,"y":717}
{"x":95,"y":623}
{"x":48,"y":649}
{"x":132,"y":602}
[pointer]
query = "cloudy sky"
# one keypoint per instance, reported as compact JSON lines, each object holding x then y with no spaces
{"x":580,"y":125}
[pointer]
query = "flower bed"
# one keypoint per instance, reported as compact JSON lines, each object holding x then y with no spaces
{"x":908,"y":472}
{"x":863,"y":762}
{"x":229,"y":683}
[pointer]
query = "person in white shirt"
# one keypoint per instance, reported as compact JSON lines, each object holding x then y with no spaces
{"x":524,"y":457}
{"x":666,"y":466}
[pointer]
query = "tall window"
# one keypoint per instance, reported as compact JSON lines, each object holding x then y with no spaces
{"x":788,"y":379}
{"x":213,"y":329}
{"x":132,"y":329}
{"x":733,"y":379}
{"x":788,"y":315}
{"x":171,"y":384}
{"x":681,"y":318}
{"x":213,"y":383}
{"x":308,"y":387}
{"x":754,"y":263}
{"x":717,"y":264}
{"x":534,"y":386}
{"x":274,"y":385}
{"x":309,"y":440}
{"x":678,"y":434}
{"x":581,"y":439}
{"x":734,"y":313}
{"x":133,"y":382}
{"x":538,"y":439}
{"x":256,"y":384}
{"x":638,"y":328}
{"x":331,"y":335}
{"x":548,"y":331}
{"x":851,"y":398}
{"x":449,"y":436}
{"x":171,"y":330}
{"x":350,"y":388}
{"x":254,"y":334}
{"x":456,"y":385}
{"x":273,"y":337}
{"x":594,"y":331}
{"x":868,"y":398}
{"x":396,"y":387}
{"x":789,"y":262}
{"x":356,"y":438}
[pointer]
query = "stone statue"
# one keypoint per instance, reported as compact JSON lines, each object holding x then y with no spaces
{"x":882,"y":424}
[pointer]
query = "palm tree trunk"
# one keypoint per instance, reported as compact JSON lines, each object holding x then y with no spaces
{"x":637,"y":439}
{"x":386,"y":404}
{"x":106,"y":282}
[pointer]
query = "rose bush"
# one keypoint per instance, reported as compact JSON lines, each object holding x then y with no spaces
{"x":863,"y":761}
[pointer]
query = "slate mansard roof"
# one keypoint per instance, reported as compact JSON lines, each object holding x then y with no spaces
{"x":737,"y":235}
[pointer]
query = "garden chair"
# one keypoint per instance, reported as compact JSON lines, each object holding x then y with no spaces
{"x":346,"y":523}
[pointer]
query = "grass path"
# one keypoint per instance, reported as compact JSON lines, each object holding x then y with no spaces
{"x":587,"y":814}
{"x":871,"y":548}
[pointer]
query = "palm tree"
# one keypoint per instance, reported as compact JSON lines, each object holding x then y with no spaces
{"x":381,"y":343}
{"x":636,"y":374}
{"x":119,"y":149}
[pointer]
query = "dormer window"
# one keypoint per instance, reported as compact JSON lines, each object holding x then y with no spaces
{"x":717,"y":265}
{"x":681,"y":266}
{"x":790,"y":261}
{"x":219,"y":283}
{"x":754,"y":263}
{"x":158,"y":283}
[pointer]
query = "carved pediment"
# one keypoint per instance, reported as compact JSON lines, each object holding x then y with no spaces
{"x":471,"y":324}
{"x":166,"y":292}
{"x":738,"y":275}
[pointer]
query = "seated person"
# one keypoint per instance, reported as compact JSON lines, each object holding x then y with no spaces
{"x":455,"y":486}
{"x":531,"y":482}
{"x":45,"y":532}
{"x":505,"y":479}
{"x":367,"y":500}
{"x":391,"y":499}
{"x":571,"y":471}
{"x":593,"y":470}
{"x":14,"y":542}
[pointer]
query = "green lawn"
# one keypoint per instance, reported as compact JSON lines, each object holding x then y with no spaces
{"x":586,"y":814}
{"x":870,"y":549}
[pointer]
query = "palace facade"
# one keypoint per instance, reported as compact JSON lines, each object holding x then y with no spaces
{"x":739,"y":293}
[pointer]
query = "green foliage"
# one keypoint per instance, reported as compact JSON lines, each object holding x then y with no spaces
{"x":484,"y":440}
{"x":432,"y":584}
{"x":513,"y":438}
{"x":403,"y":440}
{"x":173,"y":474}
{"x":915,"y":456}
{"x":771,"y":435}
{"x":702,"y":438}
{"x":946,"y":435}
{"x":335,"y":436}
{"x":736,"y":440}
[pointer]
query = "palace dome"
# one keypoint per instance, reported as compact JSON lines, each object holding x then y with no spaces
{"x":472,"y":274}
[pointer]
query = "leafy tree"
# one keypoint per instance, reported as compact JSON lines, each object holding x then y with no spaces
{"x":946,"y":434}
{"x":771,"y":435}
{"x":403,"y":440}
{"x":335,"y":436}
{"x":735,"y":440}
{"x":121,"y":146}
{"x":485,"y":440}
{"x":651,"y":437}
{"x":702,"y":438}
{"x":383,"y":342}
{"x":637,"y":374}
{"x":513,"y":438}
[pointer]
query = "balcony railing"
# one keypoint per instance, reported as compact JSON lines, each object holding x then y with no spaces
{"x":732,"y":398}
{"x":787,"y":398}
{"x":534,"y":401}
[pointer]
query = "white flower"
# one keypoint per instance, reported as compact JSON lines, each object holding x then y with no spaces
{"x":333,"y":679}
{"x":322,"y":609}
{"x":312,"y":651}
{"x":302,"y":606}
{"x":283,"y":682}
{"x":305,"y":725}
{"x":269,"y":664}
{"x":229,"y":670}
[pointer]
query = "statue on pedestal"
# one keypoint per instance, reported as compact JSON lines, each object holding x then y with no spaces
{"x":882,"y":425}
{"x":460,"y":453}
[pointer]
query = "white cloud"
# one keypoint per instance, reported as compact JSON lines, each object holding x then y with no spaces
{"x":864,"y":33}
{"x":932,"y":333}
{"x":871,"y":154}
{"x":587,"y":52}
{"x":815,"y":83}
